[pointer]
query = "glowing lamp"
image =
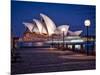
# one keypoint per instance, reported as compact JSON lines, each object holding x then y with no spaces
{"x":87,"y":22}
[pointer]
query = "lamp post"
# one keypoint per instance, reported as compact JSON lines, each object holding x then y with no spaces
{"x":63,"y":30}
{"x":58,"y":40}
{"x":52,"y":40}
{"x":87,"y":24}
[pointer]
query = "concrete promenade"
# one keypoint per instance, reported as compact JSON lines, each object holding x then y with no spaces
{"x":39,"y":60}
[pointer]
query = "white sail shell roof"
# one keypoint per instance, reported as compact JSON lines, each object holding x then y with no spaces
{"x":75,"y":33}
{"x":29,"y":26}
{"x":49,"y":24}
{"x":40,"y":26}
{"x":35,"y":29}
{"x":66,"y":27}
{"x":49,"y":27}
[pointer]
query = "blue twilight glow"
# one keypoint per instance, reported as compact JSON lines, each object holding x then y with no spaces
{"x":61,"y":14}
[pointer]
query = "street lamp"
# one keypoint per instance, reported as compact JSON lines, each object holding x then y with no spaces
{"x":87,"y":24}
{"x":63,"y":30}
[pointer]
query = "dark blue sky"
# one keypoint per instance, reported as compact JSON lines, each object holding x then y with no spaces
{"x":73,"y":15}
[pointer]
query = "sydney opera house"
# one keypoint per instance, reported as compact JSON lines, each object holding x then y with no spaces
{"x":46,"y":28}
{"x":45,"y":32}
